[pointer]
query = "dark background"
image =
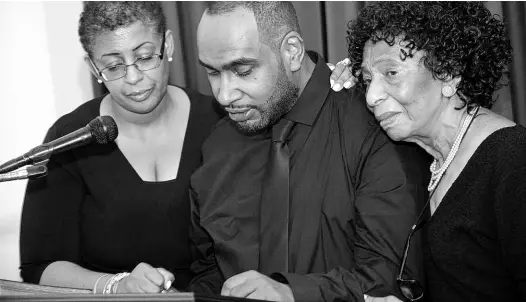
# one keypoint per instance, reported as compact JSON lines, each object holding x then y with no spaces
{"x":323,"y":25}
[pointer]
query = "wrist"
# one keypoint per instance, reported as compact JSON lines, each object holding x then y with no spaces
{"x":98,"y":286}
{"x":110,"y":287}
{"x":118,"y":282}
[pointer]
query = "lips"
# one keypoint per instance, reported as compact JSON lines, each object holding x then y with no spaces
{"x":240,"y":114}
{"x":140,"y":95}
{"x":387,"y":118}
{"x":236,"y":110}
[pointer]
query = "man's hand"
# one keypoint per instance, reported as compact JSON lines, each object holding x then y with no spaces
{"x":146,"y":279}
{"x":383,"y":299}
{"x":254,"y":285}
{"x":341,"y":76}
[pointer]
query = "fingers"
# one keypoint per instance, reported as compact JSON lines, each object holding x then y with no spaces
{"x":393,"y":299}
{"x":147,"y":279}
{"x":231,"y":283}
{"x":383,"y":299}
{"x":255,"y":285}
{"x":156,"y":281}
{"x":245,"y":289}
{"x":257,"y":295}
{"x":168,"y":277}
{"x":235,"y":281}
{"x":341,"y":76}
{"x":337,"y":71}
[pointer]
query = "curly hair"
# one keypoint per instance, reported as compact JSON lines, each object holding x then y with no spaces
{"x":458,"y":39}
{"x":105,"y":16}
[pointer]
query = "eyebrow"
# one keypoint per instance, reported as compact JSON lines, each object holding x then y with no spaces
{"x":384,"y":57}
{"x":232,"y":64}
{"x":116,"y":53}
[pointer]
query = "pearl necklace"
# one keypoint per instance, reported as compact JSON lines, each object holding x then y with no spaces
{"x":436,"y":174}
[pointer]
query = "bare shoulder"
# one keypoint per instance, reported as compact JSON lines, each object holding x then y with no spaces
{"x":487,"y":122}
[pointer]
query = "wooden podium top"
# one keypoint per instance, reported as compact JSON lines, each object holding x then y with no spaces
{"x":19,"y":291}
{"x":19,"y":288}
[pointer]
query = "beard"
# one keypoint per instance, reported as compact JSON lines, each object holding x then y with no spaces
{"x":282,"y":99}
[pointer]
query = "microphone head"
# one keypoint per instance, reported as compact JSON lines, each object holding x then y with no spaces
{"x":104,"y":129}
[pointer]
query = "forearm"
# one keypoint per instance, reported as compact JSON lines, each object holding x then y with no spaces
{"x":208,"y":279}
{"x":68,"y":274}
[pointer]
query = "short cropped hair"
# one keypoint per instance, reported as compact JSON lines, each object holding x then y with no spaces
{"x":274,"y":18}
{"x":100,"y":17}
{"x":459,"y":39}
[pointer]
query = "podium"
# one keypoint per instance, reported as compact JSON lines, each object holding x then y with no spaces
{"x":19,"y":291}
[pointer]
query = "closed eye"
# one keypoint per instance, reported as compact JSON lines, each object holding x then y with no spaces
{"x":244,"y":74}
{"x":243,"y":70}
{"x":212,"y":72}
{"x":113,"y":68}
{"x":145,"y":59}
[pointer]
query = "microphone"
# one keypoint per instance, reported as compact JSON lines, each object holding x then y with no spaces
{"x":102,"y":130}
{"x":30,"y":172}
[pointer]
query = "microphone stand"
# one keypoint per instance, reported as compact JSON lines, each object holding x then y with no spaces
{"x":28,"y":172}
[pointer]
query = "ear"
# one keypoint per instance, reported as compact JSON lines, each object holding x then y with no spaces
{"x":450,"y":86}
{"x":292,"y":51}
{"x":92,"y":67}
{"x":169,"y":43}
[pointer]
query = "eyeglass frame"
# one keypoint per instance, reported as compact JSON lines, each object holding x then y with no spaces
{"x":416,"y":226}
{"x":160,"y":55}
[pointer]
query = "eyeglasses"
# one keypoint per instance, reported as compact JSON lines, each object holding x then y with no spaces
{"x":410,"y":288}
{"x":117,"y":71}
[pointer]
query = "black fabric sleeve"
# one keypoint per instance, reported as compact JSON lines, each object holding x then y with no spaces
{"x":510,"y":209}
{"x":50,"y":220}
{"x":207,"y":277}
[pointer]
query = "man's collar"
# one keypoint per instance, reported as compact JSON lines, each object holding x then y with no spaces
{"x":313,"y":96}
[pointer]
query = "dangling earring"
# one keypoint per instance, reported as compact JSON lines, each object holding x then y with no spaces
{"x":169,"y":59}
{"x":99,"y":80}
{"x":447,"y":91}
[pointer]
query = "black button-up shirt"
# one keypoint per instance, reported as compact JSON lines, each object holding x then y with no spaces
{"x":354,"y":195}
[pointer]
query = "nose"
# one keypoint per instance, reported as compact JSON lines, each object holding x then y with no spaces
{"x":375,"y":93}
{"x":133,"y":75}
{"x":228,"y":90}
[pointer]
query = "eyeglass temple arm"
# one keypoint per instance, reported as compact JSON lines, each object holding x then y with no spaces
{"x":406,"y":251}
{"x":414,"y":228}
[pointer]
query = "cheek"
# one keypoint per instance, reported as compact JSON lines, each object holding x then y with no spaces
{"x":422,"y":96}
{"x":412,"y":94}
{"x":260,"y":85}
{"x":159,"y":75}
{"x":214,"y":81}
{"x":114,"y":87}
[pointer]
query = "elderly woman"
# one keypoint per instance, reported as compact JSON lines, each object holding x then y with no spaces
{"x":104,"y":211}
{"x":430,"y":70}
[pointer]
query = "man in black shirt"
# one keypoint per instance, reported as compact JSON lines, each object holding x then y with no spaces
{"x":301,"y":196}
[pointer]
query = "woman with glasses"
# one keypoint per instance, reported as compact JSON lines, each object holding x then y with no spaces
{"x":104,"y":211}
{"x":430,"y":70}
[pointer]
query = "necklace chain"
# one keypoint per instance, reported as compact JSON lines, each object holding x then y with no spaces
{"x":436,"y":174}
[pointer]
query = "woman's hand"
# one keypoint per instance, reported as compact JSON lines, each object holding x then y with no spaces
{"x":383,"y":299}
{"x":146,"y":279}
{"x":341,"y":76}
